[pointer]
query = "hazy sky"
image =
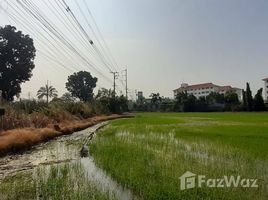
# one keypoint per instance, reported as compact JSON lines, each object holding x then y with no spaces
{"x":166,"y":42}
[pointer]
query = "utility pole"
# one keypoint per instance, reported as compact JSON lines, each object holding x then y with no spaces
{"x":115,"y":74}
{"x":126,"y":83}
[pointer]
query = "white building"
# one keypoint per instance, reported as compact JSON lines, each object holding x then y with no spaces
{"x":204,"y":89}
{"x":265,"y":88}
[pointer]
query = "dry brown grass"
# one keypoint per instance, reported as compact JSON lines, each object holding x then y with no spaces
{"x":21,"y":139}
{"x":14,"y":119}
{"x":18,"y":140}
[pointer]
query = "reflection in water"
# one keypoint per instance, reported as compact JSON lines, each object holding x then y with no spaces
{"x":103,"y":181}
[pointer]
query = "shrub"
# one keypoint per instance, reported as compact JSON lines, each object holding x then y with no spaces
{"x":15,"y":119}
{"x":19,"y":119}
{"x":28,"y":106}
{"x":41,"y":121}
{"x":56,"y":113}
{"x":35,"y":114}
{"x":100,"y":108}
{"x":79,"y":109}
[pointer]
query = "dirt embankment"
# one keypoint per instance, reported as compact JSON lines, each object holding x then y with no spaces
{"x":17,"y":140}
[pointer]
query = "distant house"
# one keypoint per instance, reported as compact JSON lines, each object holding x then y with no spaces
{"x":204,"y":89}
{"x":265,"y":88}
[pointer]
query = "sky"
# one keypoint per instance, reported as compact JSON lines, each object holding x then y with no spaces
{"x":166,"y":42}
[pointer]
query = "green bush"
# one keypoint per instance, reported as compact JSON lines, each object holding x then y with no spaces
{"x":80,"y":109}
{"x":100,"y":107}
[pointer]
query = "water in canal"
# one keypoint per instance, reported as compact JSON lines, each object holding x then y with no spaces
{"x":61,"y":151}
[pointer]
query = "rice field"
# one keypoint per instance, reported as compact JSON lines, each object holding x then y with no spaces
{"x":144,"y":158}
{"x":149,"y":153}
{"x":64,"y":181}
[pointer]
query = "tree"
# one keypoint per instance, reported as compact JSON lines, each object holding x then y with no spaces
{"x":245,"y":105}
{"x":190,"y":104}
{"x":185,"y":102}
{"x":48,"y":92}
{"x":249,"y":98}
{"x":110,"y":102}
{"x":215,"y":97}
{"x":156,"y":100}
{"x":201,"y":104}
{"x":259,"y":102}
{"x":17,"y":53}
{"x":104,"y":93}
{"x":231,"y":101}
{"x":81,"y":85}
{"x":179,"y":101}
{"x":67,"y":97}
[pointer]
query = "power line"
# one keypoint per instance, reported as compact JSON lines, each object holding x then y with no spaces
{"x":101,"y":36}
{"x":54,"y":42}
{"x":89,"y":40}
{"x":75,"y":27}
{"x":17,"y":19}
{"x":94,"y":33}
{"x":38,"y":15}
{"x":68,"y":9}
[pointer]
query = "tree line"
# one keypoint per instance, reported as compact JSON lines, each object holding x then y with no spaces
{"x":253,"y":104}
{"x":17,"y":54}
{"x":185,"y":102}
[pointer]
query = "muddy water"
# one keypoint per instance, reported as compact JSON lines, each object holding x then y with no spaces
{"x":62,"y":150}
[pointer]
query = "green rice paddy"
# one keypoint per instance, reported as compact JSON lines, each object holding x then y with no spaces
{"x":61,"y":182}
{"x":149,"y":153}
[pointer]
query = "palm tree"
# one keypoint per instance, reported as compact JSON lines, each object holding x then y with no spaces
{"x":47,"y":91}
